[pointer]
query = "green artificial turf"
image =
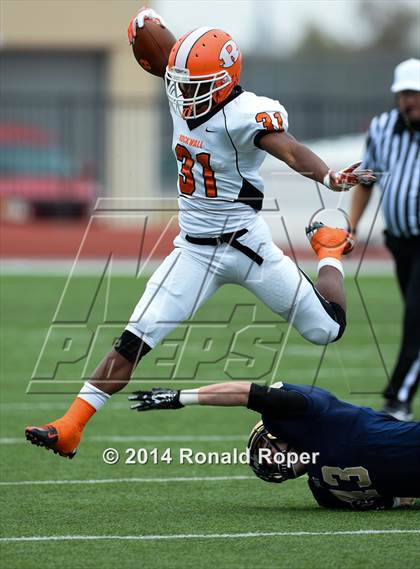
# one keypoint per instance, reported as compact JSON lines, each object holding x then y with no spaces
{"x":232,"y":337}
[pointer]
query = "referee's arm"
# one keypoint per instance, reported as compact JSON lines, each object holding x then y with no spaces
{"x":361,"y":194}
{"x":361,"y":197}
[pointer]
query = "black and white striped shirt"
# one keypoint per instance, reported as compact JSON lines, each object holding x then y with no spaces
{"x":393,"y":152}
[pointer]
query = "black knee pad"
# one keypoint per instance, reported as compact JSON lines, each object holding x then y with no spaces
{"x":334,"y":310}
{"x":131,"y":347}
{"x":339,"y":315}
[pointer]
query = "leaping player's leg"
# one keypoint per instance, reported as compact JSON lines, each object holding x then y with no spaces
{"x":316,"y":311}
{"x":174,"y":292}
{"x":330,"y":244}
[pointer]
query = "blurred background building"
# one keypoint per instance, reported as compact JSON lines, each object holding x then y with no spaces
{"x":79,"y":119}
{"x":75,"y":107}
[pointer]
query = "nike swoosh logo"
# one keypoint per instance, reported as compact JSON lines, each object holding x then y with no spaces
{"x":51,"y":435}
{"x":207,"y":130}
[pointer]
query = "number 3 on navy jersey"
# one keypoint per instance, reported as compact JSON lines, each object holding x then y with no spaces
{"x":186,"y":176}
{"x":332,"y":475}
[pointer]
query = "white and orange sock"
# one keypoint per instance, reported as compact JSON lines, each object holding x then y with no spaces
{"x":331,"y":262}
{"x":70,"y":426}
{"x":93,"y":395}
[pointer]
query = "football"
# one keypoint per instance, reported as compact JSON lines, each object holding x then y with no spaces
{"x":152,"y":46}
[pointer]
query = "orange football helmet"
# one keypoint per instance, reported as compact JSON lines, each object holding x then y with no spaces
{"x":203,"y":67}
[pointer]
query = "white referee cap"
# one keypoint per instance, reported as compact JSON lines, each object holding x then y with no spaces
{"x":407,"y":76}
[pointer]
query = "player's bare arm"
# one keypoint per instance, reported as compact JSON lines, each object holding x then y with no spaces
{"x":300,"y":158}
{"x":230,"y":394}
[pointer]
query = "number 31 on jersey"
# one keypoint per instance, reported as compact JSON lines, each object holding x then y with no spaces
{"x":267,"y":120}
{"x":186,"y":176}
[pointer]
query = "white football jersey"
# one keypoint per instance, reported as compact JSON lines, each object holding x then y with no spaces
{"x":219,"y":186}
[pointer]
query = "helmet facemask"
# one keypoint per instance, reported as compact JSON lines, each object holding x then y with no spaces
{"x":193,"y":96}
{"x":268,"y":469}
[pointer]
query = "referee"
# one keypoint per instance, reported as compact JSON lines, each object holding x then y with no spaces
{"x":393,"y":152}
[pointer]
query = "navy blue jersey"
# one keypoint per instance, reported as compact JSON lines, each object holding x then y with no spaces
{"x":365,"y":457}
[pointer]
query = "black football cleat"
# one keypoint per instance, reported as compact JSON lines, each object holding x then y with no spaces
{"x":47,"y":437}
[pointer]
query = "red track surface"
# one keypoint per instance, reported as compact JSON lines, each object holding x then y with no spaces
{"x":52,"y":240}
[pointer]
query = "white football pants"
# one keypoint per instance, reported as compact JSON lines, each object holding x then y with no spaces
{"x":192,"y":273}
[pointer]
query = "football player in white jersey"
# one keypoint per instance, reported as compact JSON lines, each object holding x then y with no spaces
{"x":221,"y":136}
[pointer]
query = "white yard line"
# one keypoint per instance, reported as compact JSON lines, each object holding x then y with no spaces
{"x":124,"y":480}
{"x":295,"y":350}
{"x":143,"y":438}
{"x":35,"y":405}
{"x":13,"y":406}
{"x":63,"y":267}
{"x":94,"y":267}
{"x":187,"y":536}
{"x":296,"y":373}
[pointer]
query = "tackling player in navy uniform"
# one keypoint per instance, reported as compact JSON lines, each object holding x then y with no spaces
{"x":364,"y":459}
